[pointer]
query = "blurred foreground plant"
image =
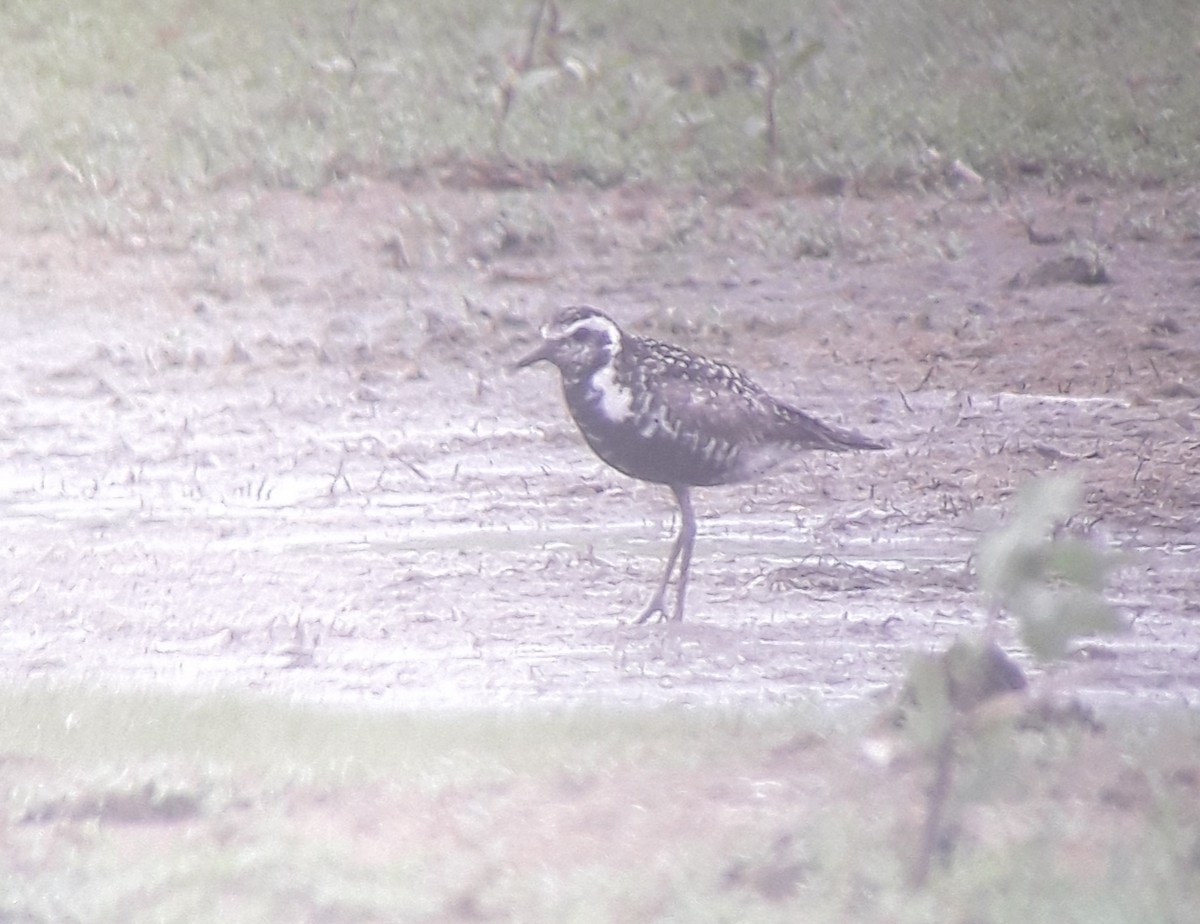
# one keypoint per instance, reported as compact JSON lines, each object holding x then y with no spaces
{"x":973,"y":694}
{"x":1052,"y":582}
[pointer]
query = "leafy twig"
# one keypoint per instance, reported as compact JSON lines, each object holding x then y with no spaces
{"x":1053,"y":584}
{"x":776,"y":63}
{"x":520,"y":67}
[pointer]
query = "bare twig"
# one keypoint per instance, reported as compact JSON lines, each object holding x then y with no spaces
{"x":935,"y":810}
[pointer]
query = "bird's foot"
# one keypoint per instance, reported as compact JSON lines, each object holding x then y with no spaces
{"x":649,"y":612}
{"x":657,"y":607}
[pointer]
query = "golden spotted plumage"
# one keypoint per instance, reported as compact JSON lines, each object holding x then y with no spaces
{"x":660,"y":413}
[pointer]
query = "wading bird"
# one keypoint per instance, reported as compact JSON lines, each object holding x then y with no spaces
{"x":662,"y":414}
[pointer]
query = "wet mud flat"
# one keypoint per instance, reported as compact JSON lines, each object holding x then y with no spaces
{"x":300,"y":464}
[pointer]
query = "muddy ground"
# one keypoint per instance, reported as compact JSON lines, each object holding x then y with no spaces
{"x":272,"y":443}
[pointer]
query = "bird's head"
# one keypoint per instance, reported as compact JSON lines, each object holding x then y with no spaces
{"x":579,"y":340}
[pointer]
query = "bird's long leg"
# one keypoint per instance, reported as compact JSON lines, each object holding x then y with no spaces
{"x":687,"y":541}
{"x":657,"y":602}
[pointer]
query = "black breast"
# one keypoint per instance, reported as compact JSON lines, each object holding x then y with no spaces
{"x":661,"y":456}
{"x":646,"y":437}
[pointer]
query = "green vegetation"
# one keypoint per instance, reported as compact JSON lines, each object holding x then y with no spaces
{"x":971,"y":697}
{"x":1051,"y":581}
{"x":128,"y":106}
{"x":137,"y":808}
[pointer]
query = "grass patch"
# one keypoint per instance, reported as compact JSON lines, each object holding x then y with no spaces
{"x":123,"y":108}
{"x":137,"y":807}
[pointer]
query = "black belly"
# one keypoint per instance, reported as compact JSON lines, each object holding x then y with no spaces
{"x":662,"y":457}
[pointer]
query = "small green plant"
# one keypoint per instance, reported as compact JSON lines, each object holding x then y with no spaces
{"x":772,"y":63}
{"x":1052,"y":582}
{"x":543,"y":38}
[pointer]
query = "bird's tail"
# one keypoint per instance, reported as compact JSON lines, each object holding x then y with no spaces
{"x":805,"y":432}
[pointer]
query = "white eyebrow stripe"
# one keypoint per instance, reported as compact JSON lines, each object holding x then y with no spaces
{"x":593,"y":323}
